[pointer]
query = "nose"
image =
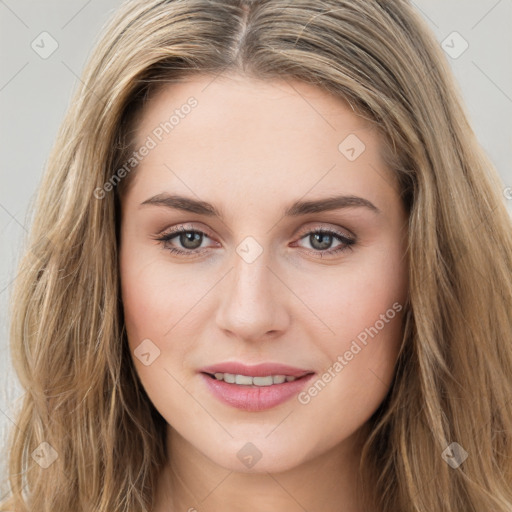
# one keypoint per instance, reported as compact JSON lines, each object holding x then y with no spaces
{"x":254,"y":301}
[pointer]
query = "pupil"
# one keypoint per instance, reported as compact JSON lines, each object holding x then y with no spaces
{"x":324,"y":239}
{"x":189,"y":240}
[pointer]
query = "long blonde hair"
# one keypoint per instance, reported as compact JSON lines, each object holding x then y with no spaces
{"x":453,"y":380}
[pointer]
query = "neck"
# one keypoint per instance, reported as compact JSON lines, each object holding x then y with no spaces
{"x":192,"y":482}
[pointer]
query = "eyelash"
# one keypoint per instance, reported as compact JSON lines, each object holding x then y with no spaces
{"x":347,"y":243}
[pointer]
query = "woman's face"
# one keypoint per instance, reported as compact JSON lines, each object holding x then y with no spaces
{"x":235,"y":178}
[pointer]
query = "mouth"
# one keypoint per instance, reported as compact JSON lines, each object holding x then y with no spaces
{"x":254,"y":388}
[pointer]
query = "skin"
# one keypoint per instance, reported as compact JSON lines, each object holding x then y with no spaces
{"x":252,"y":148}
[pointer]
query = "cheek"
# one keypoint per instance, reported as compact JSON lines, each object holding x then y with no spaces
{"x":362,"y":305}
{"x":151,"y":309}
{"x":153,"y":295}
{"x":365,"y":311}
{"x":357,"y":296}
{"x":158,"y":303}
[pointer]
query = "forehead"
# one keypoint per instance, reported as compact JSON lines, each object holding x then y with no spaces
{"x":244,"y":135}
{"x":225,"y":100}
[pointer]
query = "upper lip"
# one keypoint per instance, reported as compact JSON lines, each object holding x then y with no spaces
{"x":259,"y":370}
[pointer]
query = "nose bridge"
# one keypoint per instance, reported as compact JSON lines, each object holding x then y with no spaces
{"x":251,"y":278}
{"x":251,"y":305}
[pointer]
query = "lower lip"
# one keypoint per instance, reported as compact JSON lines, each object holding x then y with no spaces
{"x":255,"y":398}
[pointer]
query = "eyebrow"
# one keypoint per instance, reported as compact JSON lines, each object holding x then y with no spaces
{"x":297,"y":209}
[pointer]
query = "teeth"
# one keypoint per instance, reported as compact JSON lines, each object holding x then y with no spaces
{"x":261,"y":381}
{"x":242,"y":379}
{"x":229,"y":377}
{"x":246,"y":380}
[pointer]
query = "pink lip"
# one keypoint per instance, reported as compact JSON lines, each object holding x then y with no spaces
{"x":255,"y":398}
{"x":259,"y":370}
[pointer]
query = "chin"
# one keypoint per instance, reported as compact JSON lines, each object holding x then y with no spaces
{"x":257,"y":456}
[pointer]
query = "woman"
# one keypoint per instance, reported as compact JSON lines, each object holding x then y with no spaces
{"x":270,"y":269}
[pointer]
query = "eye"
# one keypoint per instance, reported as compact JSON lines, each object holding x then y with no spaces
{"x":191,"y":241}
{"x":321,"y":239}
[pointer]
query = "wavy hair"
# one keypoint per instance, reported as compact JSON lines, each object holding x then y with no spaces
{"x":453,"y":377}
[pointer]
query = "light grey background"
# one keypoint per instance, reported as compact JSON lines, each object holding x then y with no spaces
{"x":35,"y":92}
